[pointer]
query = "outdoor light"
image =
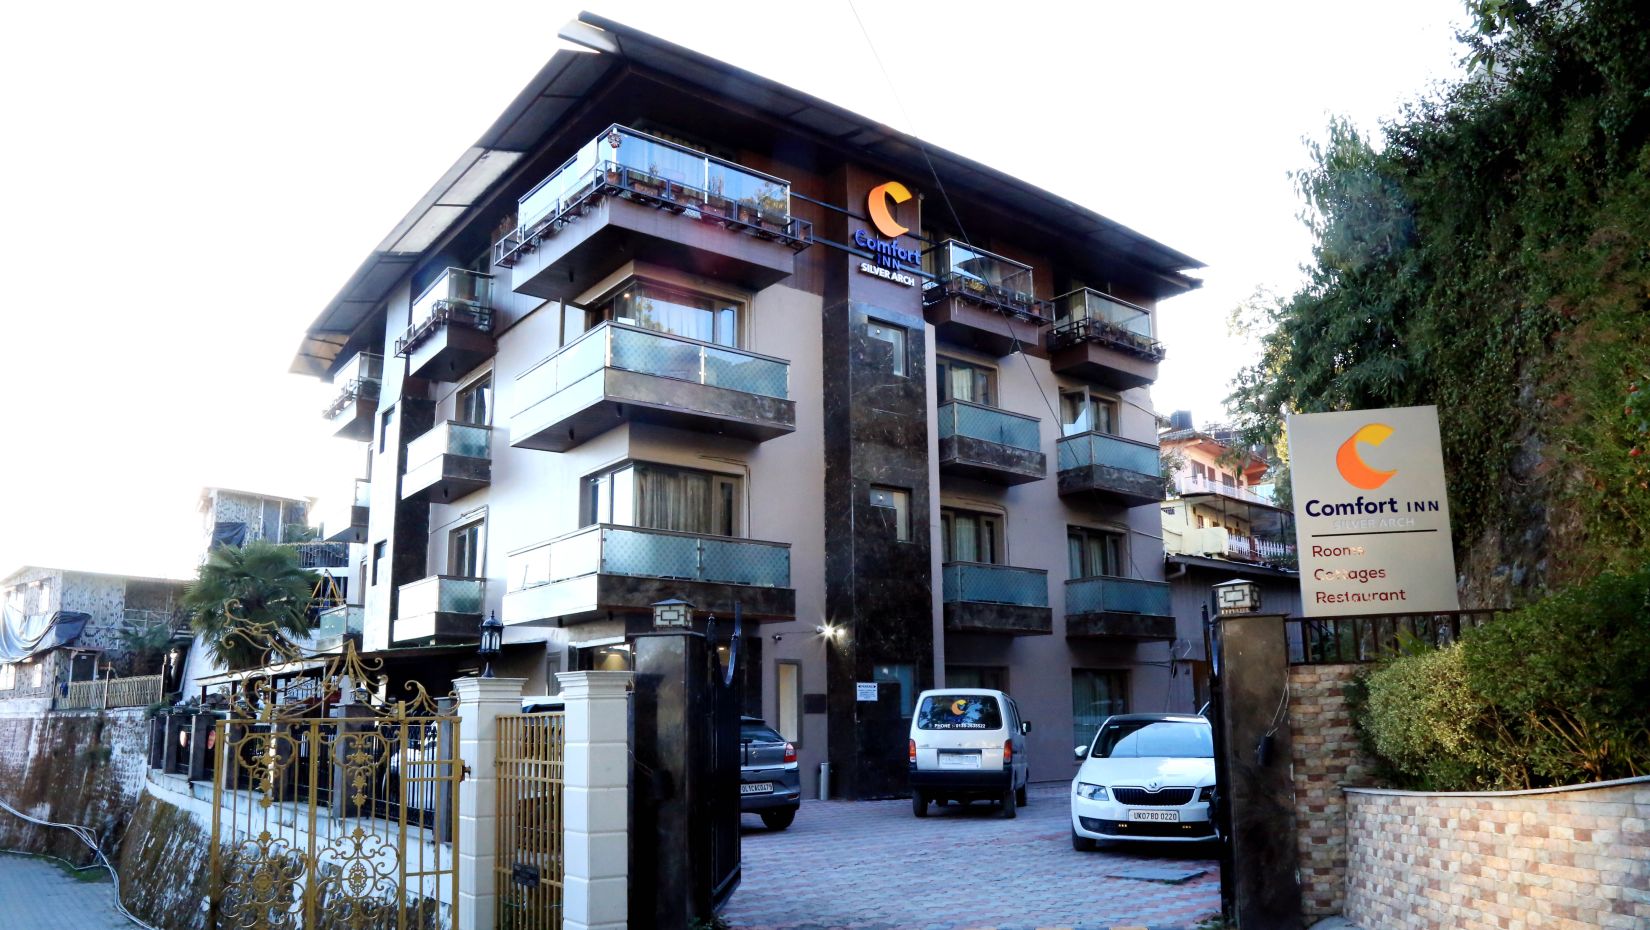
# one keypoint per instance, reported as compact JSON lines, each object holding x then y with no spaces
{"x":829,"y":632}
{"x":672,"y":613}
{"x":1237,"y":597}
{"x":492,"y":639}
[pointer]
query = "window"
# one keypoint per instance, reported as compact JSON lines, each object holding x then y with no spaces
{"x":574,"y":322}
{"x":895,"y":337}
{"x":1199,"y":471}
{"x":271,"y":530}
{"x":377,"y":559}
{"x":960,"y":712}
{"x":295,"y":513}
{"x":663,"y":497}
{"x":677,"y":312}
{"x":789,"y":691}
{"x":1094,"y":552}
{"x":1095,"y":695}
{"x":971,"y":537}
{"x":464,"y":551}
{"x":475,"y":402}
{"x":45,"y":603}
{"x":905,"y":675}
{"x":8,"y":676}
{"x":1226,"y":479}
{"x":385,"y":421}
{"x":1084,"y":412}
{"x":38,"y":679}
{"x":959,"y":380}
{"x":896,"y":506}
{"x":976,"y":676}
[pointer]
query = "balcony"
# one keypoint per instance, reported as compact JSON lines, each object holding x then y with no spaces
{"x":1260,"y":550}
{"x":1110,"y":468}
{"x":618,"y":373}
{"x":627,"y":195}
{"x":452,"y":329}
{"x":601,"y":568}
{"x":346,"y":521}
{"x":982,"y":300}
{"x":1195,"y":485}
{"x":319,"y":555}
{"x":451,"y":460}
{"x":337,"y":623}
{"x":440,"y":609}
{"x":356,"y":404}
{"x":1000,"y":599}
{"x":1121,"y":608}
{"x":1105,"y":340}
{"x":988,"y":444}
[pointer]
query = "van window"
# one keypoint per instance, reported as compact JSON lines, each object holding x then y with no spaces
{"x":959,"y":712}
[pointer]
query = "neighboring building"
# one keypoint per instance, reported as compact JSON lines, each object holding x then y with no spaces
{"x":59,"y":626}
{"x":670,"y":329}
{"x":1220,"y":524}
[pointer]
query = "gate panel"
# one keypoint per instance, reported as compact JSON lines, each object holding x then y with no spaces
{"x":529,"y":856}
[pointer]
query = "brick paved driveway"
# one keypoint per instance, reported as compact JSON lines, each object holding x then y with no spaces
{"x":870,"y":865}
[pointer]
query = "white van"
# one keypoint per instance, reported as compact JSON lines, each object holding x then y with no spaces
{"x":968,"y":743}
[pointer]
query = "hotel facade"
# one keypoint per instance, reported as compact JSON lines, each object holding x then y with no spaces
{"x":671,"y":330}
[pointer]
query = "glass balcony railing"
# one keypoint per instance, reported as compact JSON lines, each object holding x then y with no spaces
{"x":450,"y":438}
{"x":459,"y":297}
{"x":443,"y":594}
{"x":1106,"y":594}
{"x":959,"y":269}
{"x":979,"y":583}
{"x":358,"y":379}
{"x":617,"y":345}
{"x":1085,"y":449}
{"x":627,"y":160}
{"x":977,"y":421}
{"x":345,"y":619}
{"x":1090,"y":316}
{"x":633,"y":550}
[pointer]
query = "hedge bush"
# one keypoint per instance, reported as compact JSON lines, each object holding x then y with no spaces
{"x":1554,"y":693}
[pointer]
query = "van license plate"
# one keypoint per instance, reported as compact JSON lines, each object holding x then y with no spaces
{"x":1155,"y":816}
{"x":761,"y":787}
{"x":955,"y":759}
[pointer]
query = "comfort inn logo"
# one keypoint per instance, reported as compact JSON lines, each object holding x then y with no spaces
{"x":891,"y":258}
{"x":880,"y":203}
{"x":1352,"y":466}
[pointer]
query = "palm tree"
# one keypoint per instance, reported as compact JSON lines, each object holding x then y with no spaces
{"x":246,"y":600}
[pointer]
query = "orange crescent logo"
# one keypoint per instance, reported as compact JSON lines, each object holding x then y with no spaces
{"x":1352,"y":466}
{"x":877,"y":204}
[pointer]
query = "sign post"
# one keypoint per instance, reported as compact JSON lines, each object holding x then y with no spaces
{"x":1371,"y":512}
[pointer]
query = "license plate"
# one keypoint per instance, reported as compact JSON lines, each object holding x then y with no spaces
{"x":960,"y":760}
{"x":1155,"y":816}
{"x":761,"y":787}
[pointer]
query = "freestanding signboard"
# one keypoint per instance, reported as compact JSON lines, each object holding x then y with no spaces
{"x":1371,"y":512}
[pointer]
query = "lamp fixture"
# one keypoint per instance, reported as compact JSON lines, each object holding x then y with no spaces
{"x":492,"y":640}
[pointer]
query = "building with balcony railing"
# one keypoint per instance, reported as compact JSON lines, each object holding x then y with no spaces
{"x":673,"y":331}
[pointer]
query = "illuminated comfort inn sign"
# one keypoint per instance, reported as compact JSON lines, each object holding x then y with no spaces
{"x":1371,"y":512}
{"x":891,"y":257}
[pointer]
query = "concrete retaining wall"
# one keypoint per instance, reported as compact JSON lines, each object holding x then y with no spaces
{"x":70,"y":767}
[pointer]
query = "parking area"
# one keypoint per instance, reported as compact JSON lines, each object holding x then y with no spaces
{"x":870,"y":865}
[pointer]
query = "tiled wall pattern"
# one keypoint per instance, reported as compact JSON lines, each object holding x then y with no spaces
{"x":1326,"y":757}
{"x":1575,"y":859}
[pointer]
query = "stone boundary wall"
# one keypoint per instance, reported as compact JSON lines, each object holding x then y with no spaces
{"x":1574,"y":858}
{"x":1326,"y":756}
{"x":84,"y":767}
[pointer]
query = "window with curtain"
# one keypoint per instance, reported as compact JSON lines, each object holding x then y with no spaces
{"x":960,"y":380}
{"x":677,"y":312}
{"x":464,"y":551}
{"x":976,"y":676}
{"x":1084,"y":412}
{"x":1095,"y":695}
{"x":664,"y":497}
{"x":970,"y":536}
{"x":1093,"y":552}
{"x":475,"y":402}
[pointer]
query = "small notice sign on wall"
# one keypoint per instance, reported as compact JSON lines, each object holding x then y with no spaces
{"x":865,"y":690}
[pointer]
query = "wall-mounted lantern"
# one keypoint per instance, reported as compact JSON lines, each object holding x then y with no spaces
{"x":1237,"y":596}
{"x":672,"y":614}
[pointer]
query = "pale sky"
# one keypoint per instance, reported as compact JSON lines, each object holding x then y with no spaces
{"x":190,"y":183}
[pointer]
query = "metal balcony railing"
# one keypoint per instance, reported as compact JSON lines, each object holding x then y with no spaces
{"x":977,"y":421}
{"x":450,"y":438}
{"x":1090,"y":316}
{"x":358,"y":379}
{"x":631,"y":550}
{"x":320,"y":554}
{"x":1202,"y":484}
{"x":140,"y":618}
{"x":1108,"y":594}
{"x":140,"y":691}
{"x":981,"y":583}
{"x":1259,"y":549}
{"x":1081,"y":450}
{"x":458,"y":298}
{"x":443,"y":594}
{"x":960,"y":270}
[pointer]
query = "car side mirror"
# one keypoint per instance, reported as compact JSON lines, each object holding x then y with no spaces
{"x":1081,"y":752}
{"x":1025,"y":726}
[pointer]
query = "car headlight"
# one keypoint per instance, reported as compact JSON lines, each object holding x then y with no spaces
{"x":1206,"y":793}
{"x":1091,"y":792}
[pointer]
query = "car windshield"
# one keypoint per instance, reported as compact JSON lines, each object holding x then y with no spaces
{"x":758,"y":733}
{"x":1171,"y":739}
{"x":959,"y":712}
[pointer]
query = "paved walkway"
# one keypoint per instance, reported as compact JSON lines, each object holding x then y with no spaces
{"x":870,"y":865}
{"x":37,"y":894}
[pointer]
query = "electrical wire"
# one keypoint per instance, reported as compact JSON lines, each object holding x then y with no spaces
{"x":85,"y":835}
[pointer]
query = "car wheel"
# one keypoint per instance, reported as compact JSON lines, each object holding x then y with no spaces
{"x":1009,"y":810}
{"x":919,"y":804}
{"x":1082,"y":843}
{"x":1020,"y":796}
{"x":778,"y":820}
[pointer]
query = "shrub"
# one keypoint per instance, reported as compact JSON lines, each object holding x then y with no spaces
{"x":1427,"y":724}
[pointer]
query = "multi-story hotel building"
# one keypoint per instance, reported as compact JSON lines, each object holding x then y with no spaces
{"x":672,"y":330}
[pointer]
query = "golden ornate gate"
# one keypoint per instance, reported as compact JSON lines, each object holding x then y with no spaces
{"x":334,"y":806}
{"x":529,"y":851}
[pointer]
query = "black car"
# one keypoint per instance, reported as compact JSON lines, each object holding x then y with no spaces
{"x":769,"y":784}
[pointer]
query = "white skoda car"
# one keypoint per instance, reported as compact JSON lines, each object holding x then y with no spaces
{"x":1145,"y":777}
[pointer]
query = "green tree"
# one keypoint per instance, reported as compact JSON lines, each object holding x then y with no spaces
{"x":246,"y":600}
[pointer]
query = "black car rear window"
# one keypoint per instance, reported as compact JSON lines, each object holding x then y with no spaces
{"x":959,"y":712}
{"x":759,"y":733}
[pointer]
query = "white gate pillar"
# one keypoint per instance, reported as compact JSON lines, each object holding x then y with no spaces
{"x":596,"y":800}
{"x":480,"y":702}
